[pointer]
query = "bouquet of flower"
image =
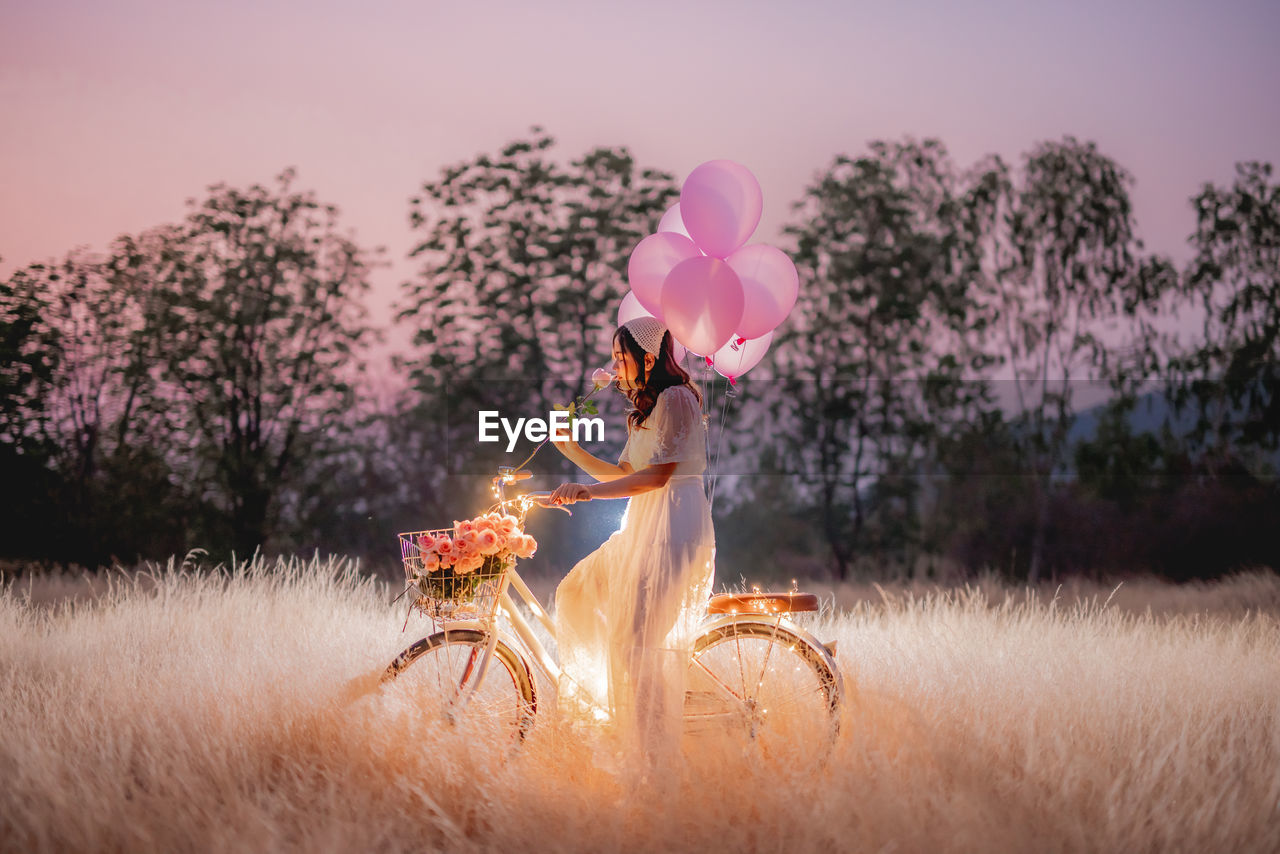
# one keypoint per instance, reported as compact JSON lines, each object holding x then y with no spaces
{"x":453,"y":563}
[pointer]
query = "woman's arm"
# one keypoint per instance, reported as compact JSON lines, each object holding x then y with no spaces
{"x":635,"y":483}
{"x":591,"y":464}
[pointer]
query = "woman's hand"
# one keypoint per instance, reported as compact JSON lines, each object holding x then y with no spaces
{"x":569,"y":493}
{"x":563,"y":440}
{"x":568,"y":447}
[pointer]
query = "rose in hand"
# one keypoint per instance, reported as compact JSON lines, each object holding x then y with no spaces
{"x":601,"y":378}
{"x":562,"y":436}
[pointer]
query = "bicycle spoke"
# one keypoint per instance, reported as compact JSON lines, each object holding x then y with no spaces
{"x":715,"y":678}
{"x":448,"y":678}
{"x":787,"y":694}
{"x":768,"y":653}
{"x":737,"y":642}
{"x":445,"y":688}
{"x":794,"y":698}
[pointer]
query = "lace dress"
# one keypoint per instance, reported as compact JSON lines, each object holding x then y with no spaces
{"x":625,"y":613}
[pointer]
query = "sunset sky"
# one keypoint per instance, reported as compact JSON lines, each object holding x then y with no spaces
{"x":115,"y":113}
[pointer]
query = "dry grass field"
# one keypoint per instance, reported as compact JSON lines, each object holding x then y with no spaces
{"x":176,"y":711}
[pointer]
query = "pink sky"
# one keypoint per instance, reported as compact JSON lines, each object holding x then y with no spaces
{"x":116,"y":112}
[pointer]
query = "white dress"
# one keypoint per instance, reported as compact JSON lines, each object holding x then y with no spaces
{"x":625,"y":613}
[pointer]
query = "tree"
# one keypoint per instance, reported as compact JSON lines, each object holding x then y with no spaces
{"x":524,"y":264}
{"x":28,"y":360}
{"x":872,"y":362}
{"x":1060,"y":261}
{"x":1231,"y":379}
{"x":94,"y":418}
{"x":261,"y":333}
{"x":28,"y":368}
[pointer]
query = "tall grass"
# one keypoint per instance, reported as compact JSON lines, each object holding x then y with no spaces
{"x":184,"y":711}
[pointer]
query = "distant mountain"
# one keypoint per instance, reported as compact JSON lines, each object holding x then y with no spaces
{"x":1149,"y":416}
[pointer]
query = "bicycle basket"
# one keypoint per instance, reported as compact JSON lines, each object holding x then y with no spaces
{"x":451,"y":592}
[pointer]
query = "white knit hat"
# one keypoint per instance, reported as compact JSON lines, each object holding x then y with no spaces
{"x":648,"y":333}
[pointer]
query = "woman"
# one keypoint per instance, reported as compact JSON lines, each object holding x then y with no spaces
{"x":624,"y":614}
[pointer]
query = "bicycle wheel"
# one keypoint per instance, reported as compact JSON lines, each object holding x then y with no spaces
{"x":759,"y":683}
{"x":438,"y":676}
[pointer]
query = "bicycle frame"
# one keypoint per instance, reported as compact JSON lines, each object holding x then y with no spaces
{"x":542,"y":659}
{"x":533,"y":650}
{"x":529,"y":647}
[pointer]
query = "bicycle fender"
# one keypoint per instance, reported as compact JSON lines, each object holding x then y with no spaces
{"x":462,"y":625}
{"x":476,"y":626}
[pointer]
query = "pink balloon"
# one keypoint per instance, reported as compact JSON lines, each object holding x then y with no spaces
{"x":769,"y":285}
{"x":630,"y":309}
{"x":651,"y":261}
{"x":720,"y":204}
{"x":702,"y":303}
{"x":672,"y":222}
{"x":735,"y":359}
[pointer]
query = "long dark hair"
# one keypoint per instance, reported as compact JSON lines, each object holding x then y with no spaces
{"x":665,"y":373}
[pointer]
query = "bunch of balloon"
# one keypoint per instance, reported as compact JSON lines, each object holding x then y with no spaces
{"x":719,"y":297}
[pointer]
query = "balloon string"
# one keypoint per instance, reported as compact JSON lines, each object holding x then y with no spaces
{"x":702,"y":378}
{"x":729,"y":394}
{"x":700,"y":369}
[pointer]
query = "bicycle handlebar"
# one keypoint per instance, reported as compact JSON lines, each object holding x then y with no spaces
{"x":542,"y":499}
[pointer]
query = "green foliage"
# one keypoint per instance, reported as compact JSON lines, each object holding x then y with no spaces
{"x":1120,"y":464}
{"x":89,"y":424}
{"x":871,"y":366}
{"x":187,"y":386}
{"x":29,"y":352}
{"x":262,"y":328}
{"x":1231,"y":378}
{"x":201,"y":383}
{"x":1059,"y":261}
{"x":523,"y":264}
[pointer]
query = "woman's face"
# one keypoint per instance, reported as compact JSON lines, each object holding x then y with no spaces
{"x":625,"y":367}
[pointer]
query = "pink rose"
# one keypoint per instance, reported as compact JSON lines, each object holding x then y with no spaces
{"x":431,"y":562}
{"x":601,"y":378}
{"x":486,"y":523}
{"x":468,"y":564}
{"x":445,"y":547}
{"x":525,"y":546}
{"x":467,"y":543}
{"x":508,"y":525}
{"x":425,"y":543}
{"x":464,"y":526}
{"x":488,"y":542}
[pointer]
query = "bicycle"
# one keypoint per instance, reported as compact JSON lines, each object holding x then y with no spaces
{"x":752,"y":671}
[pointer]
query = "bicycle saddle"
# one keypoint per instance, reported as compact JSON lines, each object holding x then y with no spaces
{"x":762,"y":603}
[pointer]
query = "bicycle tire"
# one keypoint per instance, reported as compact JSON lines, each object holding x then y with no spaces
{"x":785,"y":694}
{"x":434,"y":671}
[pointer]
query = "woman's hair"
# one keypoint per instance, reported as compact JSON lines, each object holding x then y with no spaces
{"x":666,"y":372}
